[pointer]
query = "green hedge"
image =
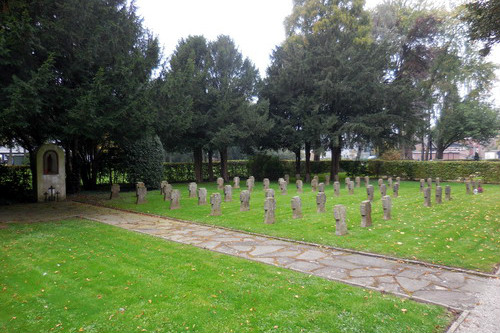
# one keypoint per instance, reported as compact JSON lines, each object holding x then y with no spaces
{"x":15,"y":184}
{"x":184,"y":172}
{"x":488,"y":171}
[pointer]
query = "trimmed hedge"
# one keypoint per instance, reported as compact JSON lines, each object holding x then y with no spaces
{"x":15,"y":184}
{"x":184,"y":172}
{"x":488,"y":171}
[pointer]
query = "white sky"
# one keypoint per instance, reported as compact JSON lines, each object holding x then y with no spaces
{"x":256,"y":26}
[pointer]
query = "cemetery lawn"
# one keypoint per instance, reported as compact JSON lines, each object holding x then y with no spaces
{"x":82,"y":276}
{"x":463,"y":232}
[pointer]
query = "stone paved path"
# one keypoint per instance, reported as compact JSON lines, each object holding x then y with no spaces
{"x":478,"y":295}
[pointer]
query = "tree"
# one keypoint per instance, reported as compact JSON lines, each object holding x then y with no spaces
{"x":483,"y":18}
{"x":183,"y":100}
{"x":85,"y":67}
{"x":234,"y":116}
{"x":348,"y":69}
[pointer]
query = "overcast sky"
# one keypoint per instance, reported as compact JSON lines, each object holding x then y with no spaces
{"x":256,"y":26}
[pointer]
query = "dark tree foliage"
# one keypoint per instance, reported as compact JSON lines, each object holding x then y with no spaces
{"x":75,"y":72}
{"x":144,"y":161}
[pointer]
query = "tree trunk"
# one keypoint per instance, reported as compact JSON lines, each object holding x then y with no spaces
{"x":308,"y":160}
{"x":223,"y":163}
{"x":439,"y":150}
{"x":317,"y":156}
{"x":72,"y":169}
{"x":336,"y":156}
{"x":198,"y":164}
{"x":429,"y":148}
{"x":210,"y":165}
{"x":358,"y":154}
{"x":297,"y":161}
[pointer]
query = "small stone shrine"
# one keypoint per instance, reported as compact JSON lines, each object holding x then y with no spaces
{"x":51,"y":173}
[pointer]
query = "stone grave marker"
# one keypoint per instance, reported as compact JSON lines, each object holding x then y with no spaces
{"x":320,"y":202}
{"x":287,"y":179}
{"x":245,"y":200}
{"x":467,"y":187}
{"x":438,"y":181}
{"x":299,"y":185}
{"x":167,"y":192}
{"x":347,"y":182}
{"x":370,"y":191}
{"x":422,"y":185}
{"x":367,"y":181}
{"x":269,"y":210}
{"x":339,"y":213}
{"x":429,"y":182}
{"x":383,"y":190}
{"x":202,"y":196}
{"x":236,"y":181}
{"x":336,"y":189}
{"x":380,"y":182}
{"x":427,"y":197}
{"x":398,"y":180}
{"x":447,"y":192}
{"x":321,"y":187}
{"x":297,"y":176}
{"x":314,"y":185}
{"x":269,"y":193}
{"x":389,"y":181}
{"x":192,"y":188}
{"x":366,"y":213}
{"x":327,"y":180}
{"x":228,"y":193}
{"x":265,"y":183}
{"x":249,"y":184}
{"x":220,"y":183}
{"x":163,"y":183}
{"x":439,"y":194}
{"x":296,"y":207}
{"x":115,"y":191}
{"x":358,"y":181}
{"x":175,"y":199}
{"x":140,"y":192}
{"x":395,"y":190}
{"x":350,"y":187}
{"x":215,"y":203}
{"x":283,"y":187}
{"x":387,"y":206}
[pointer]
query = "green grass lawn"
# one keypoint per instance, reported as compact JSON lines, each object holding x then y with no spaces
{"x":464,"y":232}
{"x":82,"y":276}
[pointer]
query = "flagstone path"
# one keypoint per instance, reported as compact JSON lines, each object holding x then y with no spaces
{"x":478,"y":296}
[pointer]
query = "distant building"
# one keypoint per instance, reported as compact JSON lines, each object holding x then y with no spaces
{"x":12,"y":156}
{"x":457,"y":151}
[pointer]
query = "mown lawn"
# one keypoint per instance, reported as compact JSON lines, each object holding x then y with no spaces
{"x":82,"y":276}
{"x":463,"y":232}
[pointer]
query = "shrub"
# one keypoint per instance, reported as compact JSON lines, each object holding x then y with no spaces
{"x":144,"y":162}
{"x":264,"y":166}
{"x":15,"y":184}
